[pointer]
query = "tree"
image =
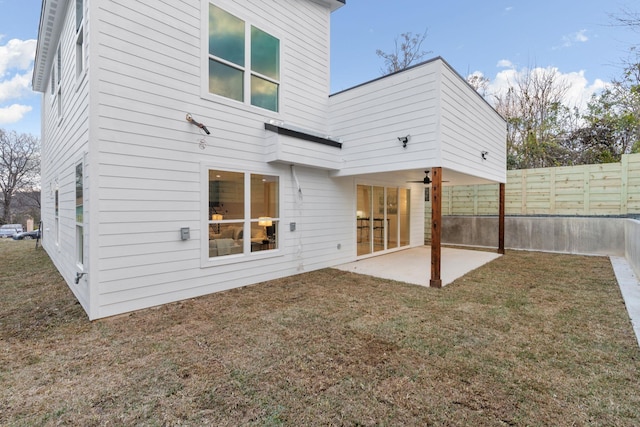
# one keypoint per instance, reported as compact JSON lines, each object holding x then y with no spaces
{"x":479,"y":82}
{"x":535,"y":113}
{"x":407,"y":52}
{"x":19,"y":167}
{"x":628,"y":18}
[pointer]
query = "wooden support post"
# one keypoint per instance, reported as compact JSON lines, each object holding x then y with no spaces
{"x":501,"y":220}
{"x":436,"y":227}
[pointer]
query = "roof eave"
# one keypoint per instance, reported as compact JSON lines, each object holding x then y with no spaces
{"x":333,"y":4}
{"x":51,"y":21}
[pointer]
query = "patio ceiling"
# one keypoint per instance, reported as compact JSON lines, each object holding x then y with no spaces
{"x":449,"y":176}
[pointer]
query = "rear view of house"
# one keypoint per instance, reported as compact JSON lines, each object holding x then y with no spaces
{"x":192,"y":147}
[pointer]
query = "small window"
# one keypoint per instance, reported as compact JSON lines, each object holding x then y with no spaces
{"x":80,"y":47}
{"x":80,"y":54}
{"x":56,"y":214}
{"x":79,"y":14}
{"x":56,"y":82}
{"x":79,"y":214}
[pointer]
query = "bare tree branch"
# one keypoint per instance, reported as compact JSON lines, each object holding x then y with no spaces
{"x":406,"y":53}
{"x":19,"y":167}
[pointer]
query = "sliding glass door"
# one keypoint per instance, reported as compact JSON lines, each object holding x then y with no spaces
{"x":382,"y":218}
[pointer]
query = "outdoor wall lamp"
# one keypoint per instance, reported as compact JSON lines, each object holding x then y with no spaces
{"x":484,"y":155}
{"x":404,"y":140}
{"x":191,"y":120}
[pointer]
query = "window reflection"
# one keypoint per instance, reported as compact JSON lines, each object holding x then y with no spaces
{"x":265,"y":54}
{"x":226,"y":81}
{"x":226,"y":35}
{"x":264,"y":93}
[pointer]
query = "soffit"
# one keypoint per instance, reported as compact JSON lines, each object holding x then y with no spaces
{"x":51,"y":22}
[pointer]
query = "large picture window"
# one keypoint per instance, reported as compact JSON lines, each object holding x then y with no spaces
{"x":243,"y":213}
{"x":243,"y":59}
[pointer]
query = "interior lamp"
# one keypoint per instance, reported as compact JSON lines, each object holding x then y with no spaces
{"x":265,"y":221}
{"x":216,"y":217}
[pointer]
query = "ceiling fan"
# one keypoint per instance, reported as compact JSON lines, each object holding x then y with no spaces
{"x":426,"y":180}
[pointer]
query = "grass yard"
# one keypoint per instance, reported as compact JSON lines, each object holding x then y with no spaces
{"x":530,"y":339}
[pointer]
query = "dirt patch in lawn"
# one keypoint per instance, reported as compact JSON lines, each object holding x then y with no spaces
{"x":528,"y":339}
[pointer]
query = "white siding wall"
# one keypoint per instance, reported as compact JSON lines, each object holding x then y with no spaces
{"x":370,"y":118}
{"x":469,"y":126}
{"x":149,"y":58}
{"x":64,"y":144}
{"x":449,"y":124}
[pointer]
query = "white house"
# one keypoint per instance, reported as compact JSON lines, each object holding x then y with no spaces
{"x":192,"y":147}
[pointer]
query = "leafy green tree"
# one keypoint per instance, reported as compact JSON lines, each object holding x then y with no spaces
{"x":612,"y":123}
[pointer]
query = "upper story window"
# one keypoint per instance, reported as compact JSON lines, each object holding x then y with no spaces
{"x":244,"y":61}
{"x":79,"y":14}
{"x":56,"y":81}
{"x":80,"y":46}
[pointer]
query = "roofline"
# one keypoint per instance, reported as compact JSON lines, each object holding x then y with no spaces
{"x":428,"y":61}
{"x":49,"y":28}
{"x":49,"y":31}
{"x":333,"y":4}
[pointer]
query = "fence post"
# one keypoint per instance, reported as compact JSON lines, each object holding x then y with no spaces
{"x":624,"y":177}
{"x":523,"y":195}
{"x":587,"y":191}
{"x":502,"y":192}
{"x":552,"y":191}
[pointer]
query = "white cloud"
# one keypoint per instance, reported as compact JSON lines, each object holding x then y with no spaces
{"x":570,"y":39}
{"x":15,"y":88}
{"x":581,"y":36}
{"x":17,"y":54}
{"x":579,"y":90}
{"x":16,"y":63}
{"x":504,"y":63}
{"x":13,"y":113}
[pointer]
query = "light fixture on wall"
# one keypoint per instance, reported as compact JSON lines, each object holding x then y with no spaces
{"x":484,"y":155}
{"x":191,"y":120}
{"x":404,"y":140}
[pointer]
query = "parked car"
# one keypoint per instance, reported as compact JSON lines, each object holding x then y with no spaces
{"x":27,"y":235}
{"x":8,"y":230}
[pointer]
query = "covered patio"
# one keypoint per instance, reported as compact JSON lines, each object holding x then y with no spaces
{"x":413,"y":266}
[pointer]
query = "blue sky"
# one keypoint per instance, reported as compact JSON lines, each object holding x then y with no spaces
{"x":498,"y":38}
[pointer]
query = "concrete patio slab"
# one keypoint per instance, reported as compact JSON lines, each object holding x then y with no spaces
{"x":414,"y":265}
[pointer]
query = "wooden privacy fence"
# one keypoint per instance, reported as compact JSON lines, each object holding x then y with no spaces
{"x":587,"y":190}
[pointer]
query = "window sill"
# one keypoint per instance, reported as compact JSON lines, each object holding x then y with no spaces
{"x":240,"y":258}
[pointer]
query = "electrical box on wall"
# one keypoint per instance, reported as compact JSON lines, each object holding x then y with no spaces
{"x":184,"y":233}
{"x":292,"y":226}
